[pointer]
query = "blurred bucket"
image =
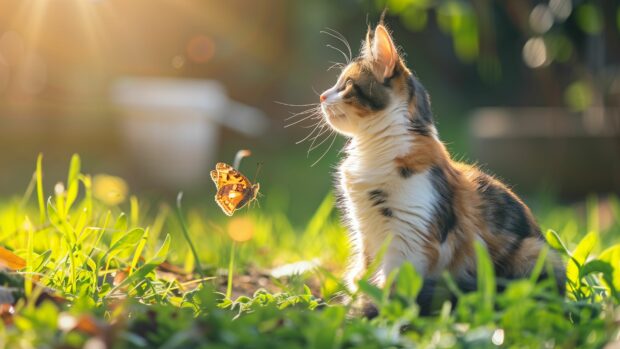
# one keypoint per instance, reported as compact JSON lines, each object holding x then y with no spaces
{"x":549,"y":148}
{"x":171,"y":126}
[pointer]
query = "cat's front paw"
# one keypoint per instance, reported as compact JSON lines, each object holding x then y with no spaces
{"x":362,"y":306}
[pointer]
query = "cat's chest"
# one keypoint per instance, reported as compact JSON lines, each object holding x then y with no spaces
{"x":381,"y":201}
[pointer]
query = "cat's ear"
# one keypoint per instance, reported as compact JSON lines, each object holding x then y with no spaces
{"x":381,"y":49}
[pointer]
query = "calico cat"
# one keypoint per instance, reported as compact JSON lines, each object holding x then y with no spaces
{"x":399,"y":181}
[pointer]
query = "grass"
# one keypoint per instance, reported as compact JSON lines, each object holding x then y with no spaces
{"x":83,"y":268}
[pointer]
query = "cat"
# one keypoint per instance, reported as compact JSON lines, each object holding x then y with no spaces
{"x":398,"y":181}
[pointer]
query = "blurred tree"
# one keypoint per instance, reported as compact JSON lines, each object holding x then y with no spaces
{"x":573,"y":46}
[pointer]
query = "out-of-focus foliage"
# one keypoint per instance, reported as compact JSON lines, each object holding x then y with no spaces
{"x":574,"y":35}
{"x":93,"y":275}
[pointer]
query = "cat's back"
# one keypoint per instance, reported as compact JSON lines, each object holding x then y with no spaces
{"x":501,"y":209}
{"x":506,"y":224}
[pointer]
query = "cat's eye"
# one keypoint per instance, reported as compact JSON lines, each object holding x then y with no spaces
{"x":347,"y":83}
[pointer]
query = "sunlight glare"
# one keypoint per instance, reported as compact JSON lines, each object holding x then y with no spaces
{"x":498,"y":337}
{"x":561,"y":9}
{"x":541,"y":19}
{"x":11,"y":48}
{"x":535,"y":52}
{"x":241,"y":229}
{"x":200,"y":49}
{"x":4,"y":75}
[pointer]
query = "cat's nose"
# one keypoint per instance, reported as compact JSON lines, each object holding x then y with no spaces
{"x":322,"y":97}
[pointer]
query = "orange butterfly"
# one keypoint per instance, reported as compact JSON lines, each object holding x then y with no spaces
{"x":234,"y":190}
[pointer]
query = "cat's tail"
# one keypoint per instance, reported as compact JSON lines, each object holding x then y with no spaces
{"x":435,"y":292}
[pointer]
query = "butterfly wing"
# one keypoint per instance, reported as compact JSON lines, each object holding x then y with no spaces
{"x":222,"y":174}
{"x":228,"y":197}
{"x":232,"y":188}
{"x":249,"y":195}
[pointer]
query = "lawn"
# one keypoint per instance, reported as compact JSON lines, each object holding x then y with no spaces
{"x":87,"y":265}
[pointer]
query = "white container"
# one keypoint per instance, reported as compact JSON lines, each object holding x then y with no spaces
{"x":171,"y":127}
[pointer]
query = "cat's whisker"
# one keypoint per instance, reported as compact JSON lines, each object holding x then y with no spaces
{"x":300,"y":120}
{"x":295,"y":105}
{"x":337,"y":35}
{"x":342,"y":149}
{"x":327,"y":150}
{"x":339,"y":50}
{"x":312,"y":125}
{"x":294,"y":115}
{"x":321,"y":142}
{"x":318,"y":123}
{"x":307,"y":117}
{"x":339,"y":110}
{"x":336,"y":65}
{"x":322,"y":131}
{"x":314,"y":144}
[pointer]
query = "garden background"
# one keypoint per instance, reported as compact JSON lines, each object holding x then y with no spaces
{"x":151,"y":94}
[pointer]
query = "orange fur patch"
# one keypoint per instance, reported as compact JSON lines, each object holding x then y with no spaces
{"x":468,"y":219}
{"x":425,"y":152}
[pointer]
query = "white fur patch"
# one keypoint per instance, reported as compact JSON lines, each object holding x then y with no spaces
{"x":370,"y":166}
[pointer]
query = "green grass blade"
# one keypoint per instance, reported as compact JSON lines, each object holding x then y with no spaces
{"x":612,"y":257}
{"x":39,"y":175}
{"x":127,"y":241}
{"x":579,"y":256}
{"x":149,"y":266}
{"x":134,"y":211}
{"x":486,"y":279}
{"x":72,"y":182}
{"x":185,"y":231}
{"x":231,"y":267}
{"x":409,"y":282}
{"x":320,"y":216}
{"x":554,"y":240}
{"x":138,"y":253}
{"x":29,"y":259}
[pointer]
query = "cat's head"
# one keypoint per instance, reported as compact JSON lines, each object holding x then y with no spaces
{"x":376,"y":88}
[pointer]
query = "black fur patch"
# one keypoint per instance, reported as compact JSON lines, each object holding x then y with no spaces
{"x":513,"y":216}
{"x":423,"y":103}
{"x":370,"y":311}
{"x":503,"y":264}
{"x":405,"y":172}
{"x":366,"y":100}
{"x":435,"y":292}
{"x":377,"y":197}
{"x":506,"y":214}
{"x":420,"y":128}
{"x":396,"y":73}
{"x":411,"y":87}
{"x":503,"y":211}
{"x":387,"y":212}
{"x":369,"y":92}
{"x":444,"y":210}
{"x":422,"y":121}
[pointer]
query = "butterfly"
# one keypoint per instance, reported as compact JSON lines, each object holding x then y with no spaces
{"x":234,"y":190}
